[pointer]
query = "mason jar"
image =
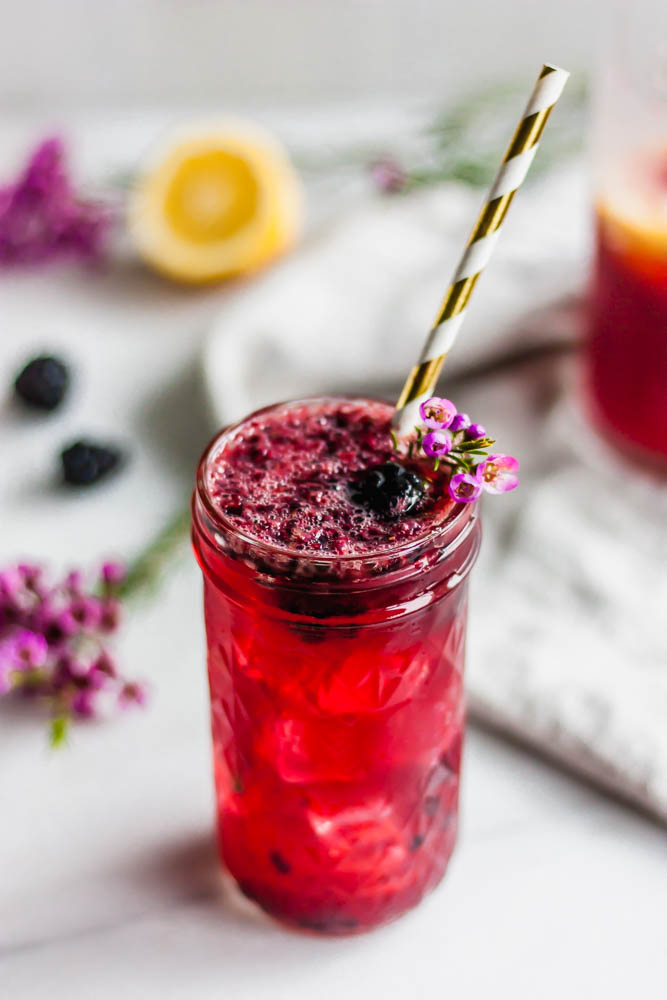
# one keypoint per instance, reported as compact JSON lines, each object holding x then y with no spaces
{"x":337,"y":711}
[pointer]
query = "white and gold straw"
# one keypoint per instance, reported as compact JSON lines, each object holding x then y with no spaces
{"x":513,"y":169}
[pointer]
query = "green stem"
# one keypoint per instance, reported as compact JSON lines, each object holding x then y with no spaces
{"x":479,"y":445}
{"x":58,"y":730}
{"x":146,"y":570}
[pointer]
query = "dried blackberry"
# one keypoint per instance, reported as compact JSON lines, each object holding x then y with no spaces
{"x":43,"y":382}
{"x":85,"y":462}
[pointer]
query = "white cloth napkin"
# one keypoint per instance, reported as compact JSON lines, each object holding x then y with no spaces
{"x":566,"y":649}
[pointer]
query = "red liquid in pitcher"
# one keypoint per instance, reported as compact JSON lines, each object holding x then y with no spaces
{"x":336,"y":688}
{"x":627,"y":341}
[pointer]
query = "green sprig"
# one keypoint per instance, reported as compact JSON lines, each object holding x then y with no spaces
{"x":148,"y":568}
{"x":463,"y":142}
{"x":480,"y":444}
{"x":461,"y":456}
{"x":58,"y":730}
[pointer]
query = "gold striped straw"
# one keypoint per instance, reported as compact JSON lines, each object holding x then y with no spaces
{"x":513,"y":169}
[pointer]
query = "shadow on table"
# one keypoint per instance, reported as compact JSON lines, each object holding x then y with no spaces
{"x":17,"y":717}
{"x":183,"y":871}
{"x":186,"y":876}
{"x":187,"y":872}
{"x":211,"y":932}
{"x":175,"y":424}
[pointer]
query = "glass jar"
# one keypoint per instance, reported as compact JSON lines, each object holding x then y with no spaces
{"x":337,"y":716}
{"x":626,"y":345}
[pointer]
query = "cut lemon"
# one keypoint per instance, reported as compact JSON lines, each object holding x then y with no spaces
{"x":215,"y":201}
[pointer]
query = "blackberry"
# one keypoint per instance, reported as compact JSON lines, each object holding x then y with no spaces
{"x":43,"y":382}
{"x":278,"y":861}
{"x":388,"y":489}
{"x":84,"y":462}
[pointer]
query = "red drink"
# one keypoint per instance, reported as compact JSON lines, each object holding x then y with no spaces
{"x":336,"y":644}
{"x":626,"y":350}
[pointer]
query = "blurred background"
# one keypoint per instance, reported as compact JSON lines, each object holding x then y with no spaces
{"x":210,"y":51}
{"x":135,"y":324}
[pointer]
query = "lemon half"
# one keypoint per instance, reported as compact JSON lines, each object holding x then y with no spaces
{"x":215,"y":201}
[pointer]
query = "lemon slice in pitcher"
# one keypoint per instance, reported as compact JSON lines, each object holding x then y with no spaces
{"x":215,"y":201}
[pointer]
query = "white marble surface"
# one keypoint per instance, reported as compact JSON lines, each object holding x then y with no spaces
{"x":108,"y":880}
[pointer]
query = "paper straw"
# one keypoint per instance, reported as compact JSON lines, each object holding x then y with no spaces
{"x":513,"y":169}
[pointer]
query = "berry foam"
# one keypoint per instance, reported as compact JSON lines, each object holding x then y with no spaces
{"x":289,"y":476}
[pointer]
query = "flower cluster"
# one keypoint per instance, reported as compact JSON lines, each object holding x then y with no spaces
{"x":53,"y":643}
{"x":41,"y":217}
{"x":449,"y":436}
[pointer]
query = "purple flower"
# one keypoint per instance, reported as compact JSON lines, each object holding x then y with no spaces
{"x":21,"y":652}
{"x":110,"y":616}
{"x":104,"y":664}
{"x":437,"y":413}
{"x":30,"y":650}
{"x":53,"y":640}
{"x":464,"y":487}
{"x":460,"y":422}
{"x":437,"y":443}
{"x":31,"y":575}
{"x":97,"y":679}
{"x":7,"y":665}
{"x":61,"y":626}
{"x":11,"y":584}
{"x":133,"y":694}
{"x":74,"y":582}
{"x":6,"y":671}
{"x":113,"y":573}
{"x":78,"y":668}
{"x":388,"y":175}
{"x":83,"y":704}
{"x":41,"y":217}
{"x":44,"y":173}
{"x":475,"y":431}
{"x":452,"y":436}
{"x":86,"y":611}
{"x":81,"y":615}
{"x":63,"y":671}
{"x":497,"y":473}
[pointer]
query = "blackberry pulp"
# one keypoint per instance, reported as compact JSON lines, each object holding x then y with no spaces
{"x":336,"y":631}
{"x":297,"y":476}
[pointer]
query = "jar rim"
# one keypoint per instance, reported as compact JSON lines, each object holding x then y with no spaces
{"x":452,"y":526}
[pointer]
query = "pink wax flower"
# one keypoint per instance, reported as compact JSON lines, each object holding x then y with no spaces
{"x":464,"y":487}
{"x":475,"y":432}
{"x":460,"y":422}
{"x":30,"y":649}
{"x":53,"y":642}
{"x":497,"y":473}
{"x":437,"y":443}
{"x":437,"y":413}
{"x":449,"y":437}
{"x":111,"y":611}
{"x":113,"y":573}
